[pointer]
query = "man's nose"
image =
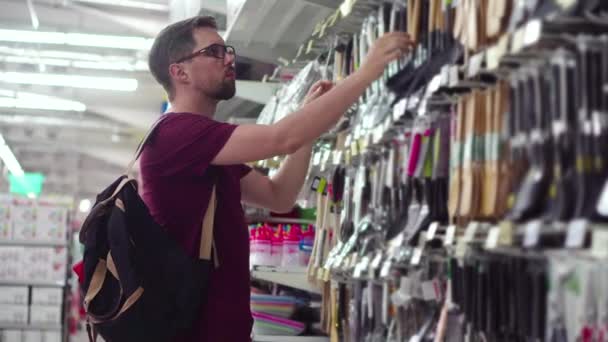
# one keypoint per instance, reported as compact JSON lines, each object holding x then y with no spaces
{"x":229,"y":59}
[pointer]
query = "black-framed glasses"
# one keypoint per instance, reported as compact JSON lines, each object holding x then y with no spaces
{"x":218,"y":51}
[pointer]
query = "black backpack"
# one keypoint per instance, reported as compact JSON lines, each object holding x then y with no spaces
{"x":139,"y":285}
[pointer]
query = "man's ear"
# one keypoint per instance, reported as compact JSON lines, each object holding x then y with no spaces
{"x":177,"y":73}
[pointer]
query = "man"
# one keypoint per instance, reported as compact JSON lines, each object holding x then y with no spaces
{"x":190,"y":152}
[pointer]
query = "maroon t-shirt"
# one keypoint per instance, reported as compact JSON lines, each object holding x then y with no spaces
{"x":177,"y":178}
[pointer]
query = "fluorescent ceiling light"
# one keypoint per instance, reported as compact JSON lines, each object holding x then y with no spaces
{"x":123,"y":66}
{"x":37,"y":101}
{"x":54,"y":54}
{"x":73,"y":81}
{"x":76,"y":39}
{"x":129,"y":3}
{"x":85,"y":206}
{"x":35,"y":61}
{"x":117,"y":65}
{"x":9,"y":159}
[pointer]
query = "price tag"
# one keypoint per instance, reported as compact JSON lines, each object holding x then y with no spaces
{"x":362,"y":143}
{"x":387,"y":123}
{"x":496,"y":52}
{"x":375,"y":264}
{"x":533,"y":31}
{"x":445,"y":75}
{"x":492,"y":240}
{"x":599,"y":242}
{"x":317,"y":28}
{"x":559,"y":127}
{"x":377,"y":134}
{"x":469,"y":233}
{"x":316,"y":158}
{"x":475,"y":64}
{"x":430,"y":234}
{"x":454,"y":76}
{"x":357,"y":272}
{"x":461,"y":249}
{"x":565,"y":4}
{"x":532,"y":233}
{"x":450,"y":234}
{"x":334,"y":18}
{"x":399,"y":109}
{"x":506,"y":233}
{"x":326,"y":155}
{"x":323,"y":28}
{"x":386,"y":269}
{"x":300,"y":50}
{"x":577,"y":229}
{"x":352,"y":262}
{"x":517,"y":41}
{"x":346,"y":7}
{"x":361,"y":267}
{"x":309,"y":46}
{"x":434,"y":84}
{"x":416,"y":256}
{"x":347,"y":140}
{"x":337,"y":157}
{"x":536,"y":135}
{"x":357,"y":133}
{"x":354,"y":150}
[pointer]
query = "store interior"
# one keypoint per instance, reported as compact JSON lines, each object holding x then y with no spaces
{"x":463,"y":197}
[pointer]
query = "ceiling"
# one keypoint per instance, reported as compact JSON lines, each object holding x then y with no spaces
{"x":82,"y":151}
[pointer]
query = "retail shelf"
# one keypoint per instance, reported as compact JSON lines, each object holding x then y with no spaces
{"x":269,"y":338}
{"x":16,"y":326}
{"x":295,"y":277}
{"x":23,"y":282}
{"x":287,"y":220}
{"x":27,"y":243}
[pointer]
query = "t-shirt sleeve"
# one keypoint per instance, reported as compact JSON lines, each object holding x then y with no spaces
{"x":188,"y":143}
{"x":242,"y":170}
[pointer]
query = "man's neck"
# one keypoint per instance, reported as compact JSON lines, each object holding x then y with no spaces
{"x":198,"y":104}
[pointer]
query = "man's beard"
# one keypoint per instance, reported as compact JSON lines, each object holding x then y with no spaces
{"x":226,"y":90}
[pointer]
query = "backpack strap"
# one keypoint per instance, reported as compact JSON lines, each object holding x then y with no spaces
{"x":207,"y":243}
{"x":142,"y":144}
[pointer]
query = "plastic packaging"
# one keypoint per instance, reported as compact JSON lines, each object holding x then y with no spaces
{"x":291,"y":247}
{"x":261,"y":247}
{"x":306,"y":243}
{"x":277,"y":247}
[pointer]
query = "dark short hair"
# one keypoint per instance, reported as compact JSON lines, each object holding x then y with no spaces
{"x":172,"y":43}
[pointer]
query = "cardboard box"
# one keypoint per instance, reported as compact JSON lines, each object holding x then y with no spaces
{"x":51,"y":223}
{"x":11,"y":263}
{"x":5,"y":207}
{"x":23,"y":211}
{"x":45,"y":314}
{"x":50,"y":232}
{"x":52,"y":214}
{"x":11,"y":336}
{"x":24,"y":231}
{"x":6,"y":231}
{"x":52,"y":336}
{"x":16,"y":314}
{"x":47,"y":296}
{"x":32,"y":336}
{"x":14,"y":295}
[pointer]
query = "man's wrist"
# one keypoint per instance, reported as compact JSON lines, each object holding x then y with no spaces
{"x":366,"y":74}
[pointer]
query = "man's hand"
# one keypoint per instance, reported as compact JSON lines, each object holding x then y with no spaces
{"x":297,"y":131}
{"x":386,"y":49}
{"x":319,"y":88}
